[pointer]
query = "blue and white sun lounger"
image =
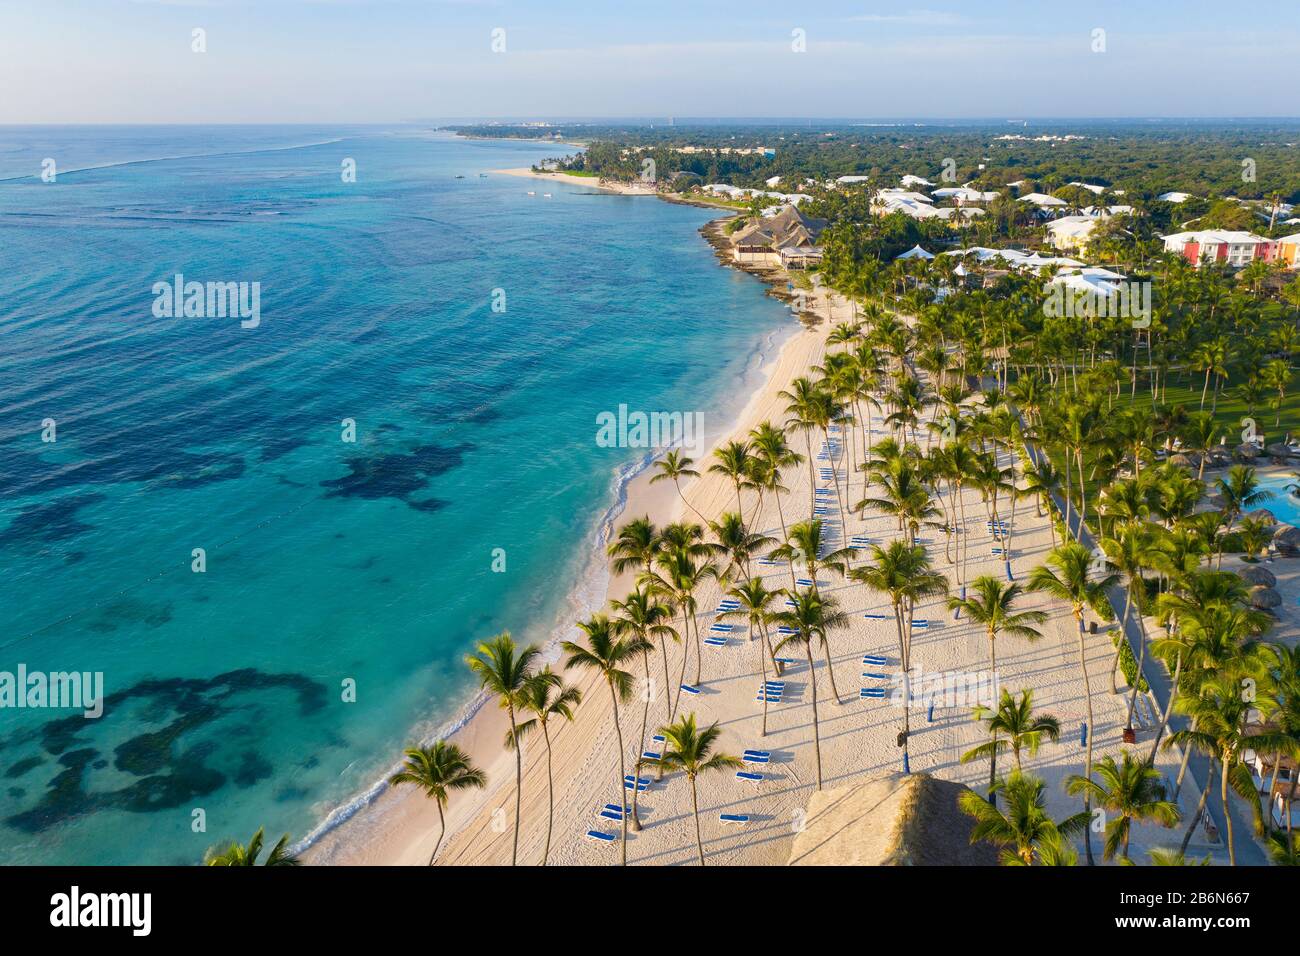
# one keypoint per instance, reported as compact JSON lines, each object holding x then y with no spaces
{"x":722,"y":628}
{"x":734,"y":817}
{"x":758,"y":753}
{"x":658,"y":738}
{"x":789,"y":602}
{"x":875,"y":617}
{"x":785,"y":660}
{"x":689,"y":689}
{"x":650,"y":755}
{"x":875,"y":675}
{"x":600,"y":836}
{"x":877,"y":659}
{"x":728,"y":604}
{"x":610,"y":815}
{"x":750,"y":758}
{"x":803,"y":582}
{"x":996,"y":552}
{"x":746,"y":775}
{"x":768,"y":562}
{"x":920,"y":623}
{"x":716,"y":641}
{"x":774,"y":684}
{"x":786,"y":629}
{"x":876,"y":692}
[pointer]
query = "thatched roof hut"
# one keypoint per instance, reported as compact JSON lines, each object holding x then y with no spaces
{"x":1258,"y":575}
{"x":896,"y":820}
{"x":1265,"y":598}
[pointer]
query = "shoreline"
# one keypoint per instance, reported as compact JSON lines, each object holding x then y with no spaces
{"x":381,"y":826}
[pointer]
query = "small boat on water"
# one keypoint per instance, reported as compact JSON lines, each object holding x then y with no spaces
{"x":546,"y":195}
{"x":531,"y":193}
{"x":460,"y":177}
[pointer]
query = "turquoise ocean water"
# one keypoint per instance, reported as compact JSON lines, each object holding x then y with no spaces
{"x":327,"y":562}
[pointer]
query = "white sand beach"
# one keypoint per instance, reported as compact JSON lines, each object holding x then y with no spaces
{"x":857,"y":736}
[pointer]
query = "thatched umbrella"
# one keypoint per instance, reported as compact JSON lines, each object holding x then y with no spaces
{"x":1257,"y":575}
{"x":1262,"y":514}
{"x":1286,"y":538}
{"x":1247,"y":450}
{"x":1265,"y":598}
{"x":1182,"y":461}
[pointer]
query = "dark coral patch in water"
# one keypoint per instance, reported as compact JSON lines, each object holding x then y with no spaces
{"x":397,"y":474}
{"x":22,"y":766}
{"x":168,"y":776}
{"x":55,"y":521}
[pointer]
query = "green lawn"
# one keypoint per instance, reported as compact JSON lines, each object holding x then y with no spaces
{"x":1231,"y":409}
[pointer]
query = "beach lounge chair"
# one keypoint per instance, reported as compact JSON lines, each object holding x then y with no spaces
{"x":874,"y":617}
{"x":750,"y":758}
{"x":720,"y":628}
{"x":803,"y":582}
{"x":876,"y":692}
{"x":997,"y":552}
{"x":787,"y":629}
{"x":774,"y":684}
{"x":876,"y":659}
{"x":920,"y":623}
{"x":734,"y":817}
{"x":610,"y":815}
{"x":787,"y":661}
{"x":746,"y":775}
{"x":874,"y":675}
{"x":600,"y":836}
{"x":789,"y":602}
{"x":650,"y":755}
{"x":758,"y":753}
{"x":716,"y":641}
{"x":689,"y":689}
{"x":658,"y":738}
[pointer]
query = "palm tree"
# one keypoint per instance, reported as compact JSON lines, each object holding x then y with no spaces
{"x":1066,"y":576}
{"x":438,"y":770}
{"x":755,"y":600}
{"x":674,"y":466}
{"x":503,"y":669}
{"x":734,"y":461}
{"x":991,"y":607}
{"x":770,"y":446}
{"x":688,"y":750}
{"x":235,"y":854}
{"x":1024,"y":828}
{"x":1131,"y":790}
{"x":644,"y":617}
{"x":903,"y":572}
{"x":546,"y":696}
{"x":607,"y":653}
{"x":807,"y":541}
{"x":635,"y":545}
{"x":737,"y":543}
{"x":810,"y":619}
{"x":1220,"y":715}
{"x":1023,"y":728}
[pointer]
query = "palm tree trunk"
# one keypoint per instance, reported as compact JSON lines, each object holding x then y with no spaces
{"x":550,"y":794}
{"x":812,"y":681}
{"x":1227,"y":816}
{"x":1142,"y":656}
{"x":645,"y":719}
{"x":519,"y":782}
{"x":1164,"y":719}
{"x":695,"y":805}
{"x":622,"y":774}
{"x":1092,"y":732}
{"x":442,"y":830}
{"x":762,"y":662}
{"x":1200,"y":811}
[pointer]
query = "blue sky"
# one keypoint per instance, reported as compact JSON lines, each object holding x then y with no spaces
{"x":312,"y":61}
